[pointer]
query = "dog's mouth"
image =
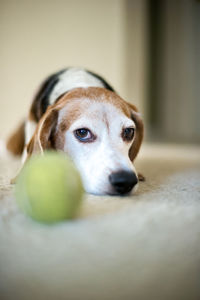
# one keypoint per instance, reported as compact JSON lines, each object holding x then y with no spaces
{"x":122,"y":193}
{"x":121,"y":183}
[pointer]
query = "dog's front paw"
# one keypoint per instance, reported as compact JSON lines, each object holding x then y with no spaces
{"x":141,"y":177}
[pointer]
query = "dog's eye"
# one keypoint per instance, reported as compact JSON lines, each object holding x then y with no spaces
{"x":128,"y":134}
{"x":84,"y":135}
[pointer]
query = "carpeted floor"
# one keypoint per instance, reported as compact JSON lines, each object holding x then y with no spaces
{"x":142,"y":247}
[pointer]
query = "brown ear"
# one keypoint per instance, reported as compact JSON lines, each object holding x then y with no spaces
{"x":135,"y":147}
{"x":41,"y":139}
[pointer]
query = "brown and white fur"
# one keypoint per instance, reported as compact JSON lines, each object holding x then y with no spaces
{"x":78,"y":112}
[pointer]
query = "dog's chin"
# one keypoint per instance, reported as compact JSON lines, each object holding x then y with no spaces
{"x":111,"y":192}
{"x":134,"y":190}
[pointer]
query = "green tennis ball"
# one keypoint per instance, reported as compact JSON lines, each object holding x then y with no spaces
{"x":49,"y":188}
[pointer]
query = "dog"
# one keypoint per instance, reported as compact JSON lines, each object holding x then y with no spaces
{"x":77,"y":112}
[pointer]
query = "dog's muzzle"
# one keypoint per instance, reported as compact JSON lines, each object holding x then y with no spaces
{"x":123,"y":181}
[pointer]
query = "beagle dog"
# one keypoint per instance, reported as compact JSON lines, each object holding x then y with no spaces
{"x":77,"y":112}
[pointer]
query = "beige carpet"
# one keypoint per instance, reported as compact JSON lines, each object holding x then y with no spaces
{"x":142,"y":247}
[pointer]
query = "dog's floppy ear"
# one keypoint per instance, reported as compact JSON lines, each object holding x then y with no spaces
{"x":41,"y":139}
{"x":139,"y":132}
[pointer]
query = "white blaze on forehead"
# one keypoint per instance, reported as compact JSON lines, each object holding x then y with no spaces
{"x":104,"y":114}
{"x":71,"y":79}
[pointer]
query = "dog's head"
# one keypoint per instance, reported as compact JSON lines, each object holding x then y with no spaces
{"x":100,"y":132}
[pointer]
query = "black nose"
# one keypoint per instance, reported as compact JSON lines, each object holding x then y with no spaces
{"x":123,"y":181}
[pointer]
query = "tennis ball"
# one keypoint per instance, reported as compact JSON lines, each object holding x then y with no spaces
{"x":49,"y":188}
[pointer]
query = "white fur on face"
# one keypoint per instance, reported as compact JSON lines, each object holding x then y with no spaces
{"x":107,"y":154}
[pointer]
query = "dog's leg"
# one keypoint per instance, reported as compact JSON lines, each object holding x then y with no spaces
{"x":3,"y":150}
{"x":16,"y":141}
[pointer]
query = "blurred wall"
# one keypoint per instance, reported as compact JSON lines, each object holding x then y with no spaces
{"x":174,"y":77}
{"x":147,"y":49}
{"x":40,"y":37}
